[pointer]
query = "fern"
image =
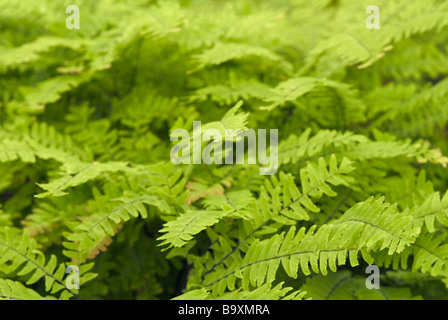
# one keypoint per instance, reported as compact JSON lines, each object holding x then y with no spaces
{"x":344,"y":286}
{"x":180,"y":231}
{"x":13,"y":290}
{"x":77,"y":174}
{"x":20,"y":253}
{"x":365,"y":227}
{"x":262,"y":293}
{"x":89,"y":236}
{"x":88,"y":119}
{"x":433,"y":208}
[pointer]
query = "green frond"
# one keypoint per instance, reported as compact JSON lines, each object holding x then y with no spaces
{"x":35,"y":99}
{"x":76,"y":174}
{"x":326,"y":93}
{"x":264,"y":292}
{"x":17,"y":56}
{"x":354,"y":147}
{"x":96,"y":124}
{"x":223,"y":52}
{"x":14,"y":290}
{"x":93,"y":233}
{"x":20,"y":254}
{"x":11,"y":150}
{"x":340,"y":285}
{"x":181,"y":230}
{"x":433,"y":209}
{"x":368,"y":226}
{"x":281,"y":201}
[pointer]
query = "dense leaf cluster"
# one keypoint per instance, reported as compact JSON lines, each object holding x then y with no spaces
{"x":86,"y":178}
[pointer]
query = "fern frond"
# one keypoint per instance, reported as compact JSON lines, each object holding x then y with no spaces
{"x":281,"y":201}
{"x":46,"y":92}
{"x":93,"y":233}
{"x":326,"y":93}
{"x":354,"y":147}
{"x":78,"y":173}
{"x":264,"y":292}
{"x":294,"y":149}
{"x":231,"y":93}
{"x":11,"y":150}
{"x":17,"y":56}
{"x":182,"y":230}
{"x":40,"y":141}
{"x":431,"y":210}
{"x":370,"y":225}
{"x":429,"y":253}
{"x":223,"y":52}
{"x":20,"y":254}
{"x":360,"y":46}
{"x":14,"y":290}
{"x":340,"y":285}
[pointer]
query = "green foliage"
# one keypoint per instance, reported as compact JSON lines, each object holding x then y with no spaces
{"x":86,"y":178}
